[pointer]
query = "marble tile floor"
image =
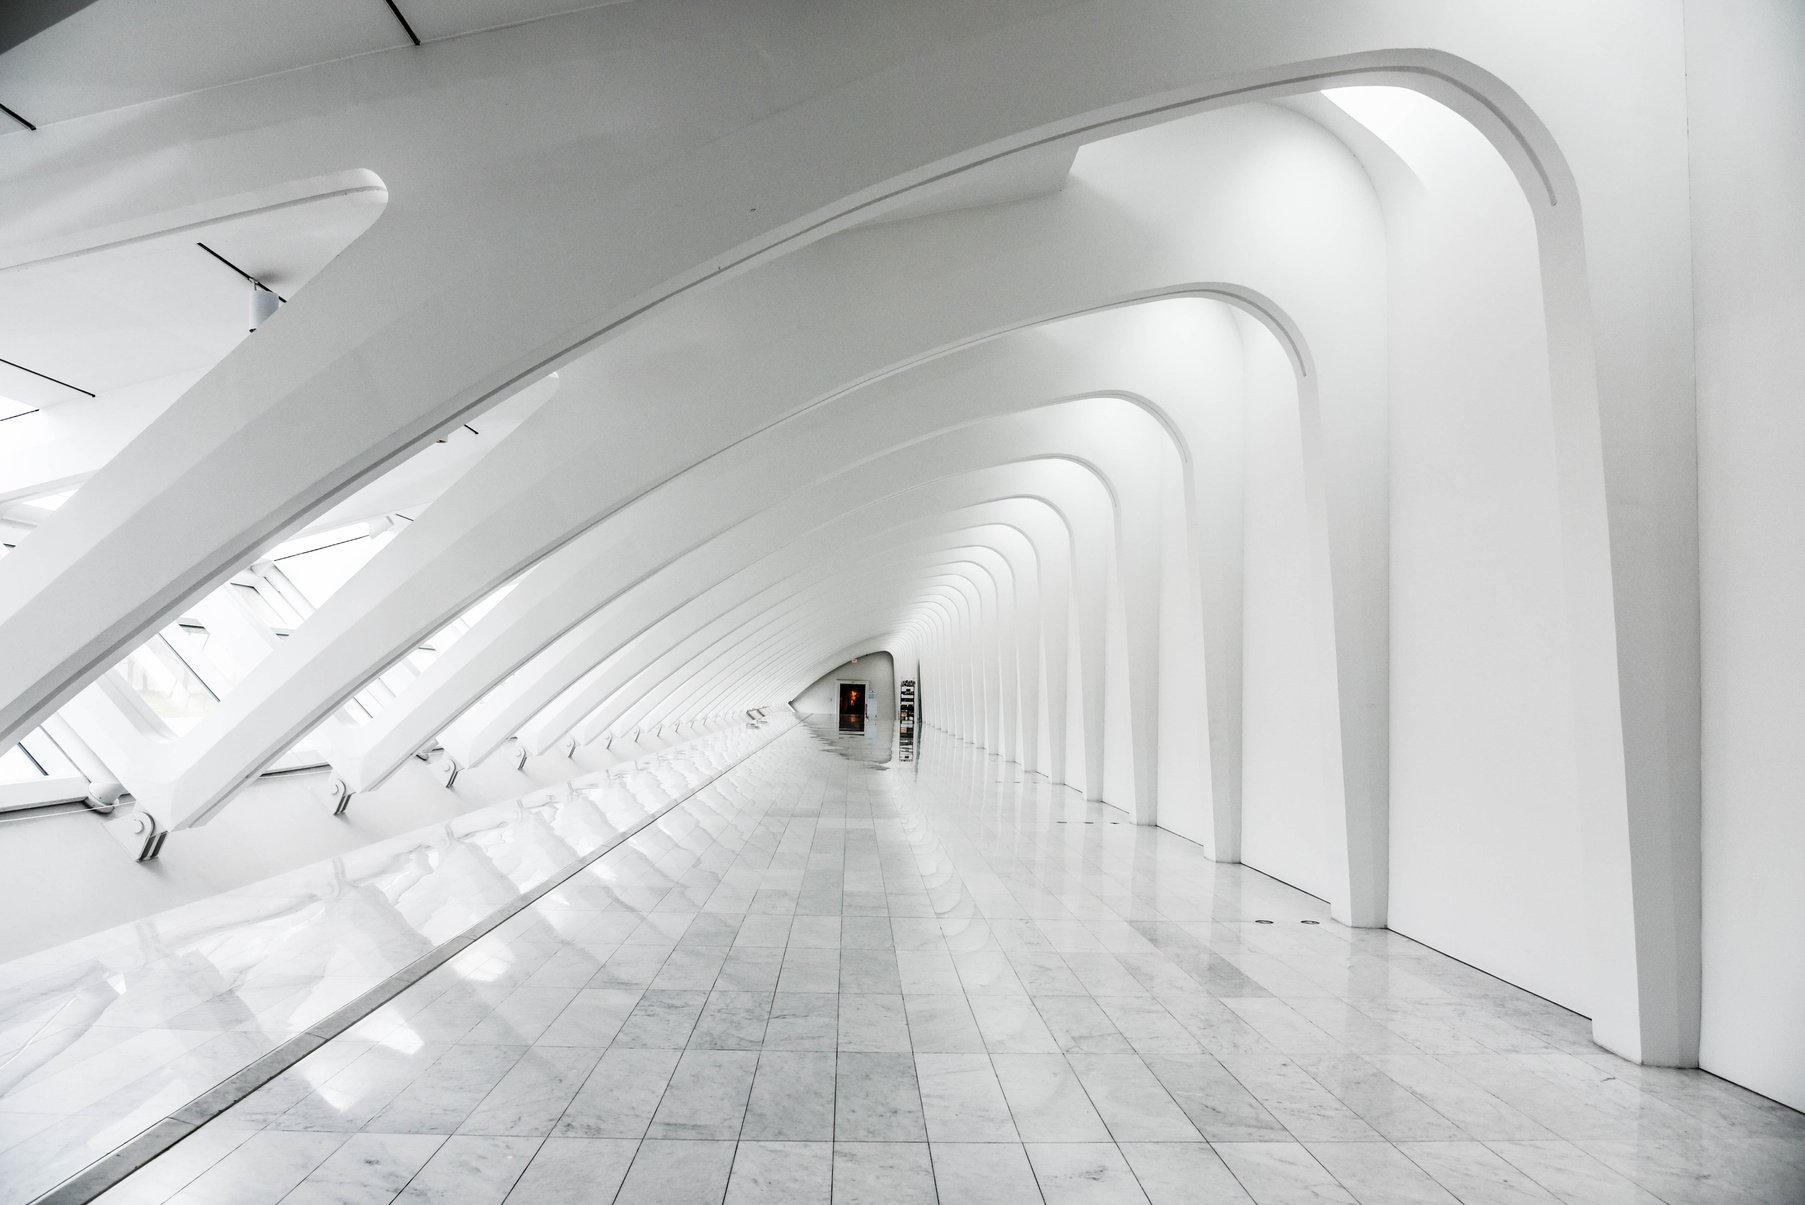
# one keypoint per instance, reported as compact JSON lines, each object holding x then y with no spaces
{"x":832,"y":976}
{"x":105,"y":1037}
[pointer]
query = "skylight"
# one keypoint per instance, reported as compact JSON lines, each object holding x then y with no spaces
{"x":53,"y":501}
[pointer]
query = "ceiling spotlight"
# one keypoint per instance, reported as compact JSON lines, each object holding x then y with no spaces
{"x":263,"y":305}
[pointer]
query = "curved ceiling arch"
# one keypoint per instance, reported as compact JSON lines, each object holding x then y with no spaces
{"x":767,"y":578}
{"x":1004,"y":607}
{"x":103,"y":475}
{"x":978,"y":563}
{"x":577,"y":660}
{"x":954,"y":600}
{"x":765,"y":658}
{"x":249,"y":728}
{"x":908,"y":501}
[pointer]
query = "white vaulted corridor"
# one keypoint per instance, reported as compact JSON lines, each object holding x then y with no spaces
{"x":1219,"y":582}
{"x":832,"y":973}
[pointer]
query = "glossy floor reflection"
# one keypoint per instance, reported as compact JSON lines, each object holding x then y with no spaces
{"x":834,"y":976}
{"x":102,"y":1038}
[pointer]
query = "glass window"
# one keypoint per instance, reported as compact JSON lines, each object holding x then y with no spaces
{"x":52,"y":501}
{"x":262,"y":607}
{"x":319,"y":574}
{"x":21,"y":516}
{"x":449,"y":635}
{"x":189,"y":639}
{"x":211,"y":660}
{"x":303,"y":755}
{"x":317,"y":540}
{"x":173,"y":692}
{"x":16,"y":765}
{"x":488,"y":602}
{"x":49,"y":756}
{"x":358,"y":709}
{"x":398,"y":676}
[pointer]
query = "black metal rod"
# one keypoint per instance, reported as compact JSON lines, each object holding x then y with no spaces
{"x":228,"y":263}
{"x":17,"y":118}
{"x":46,"y":376}
{"x":321,"y":548}
{"x":411,"y":35}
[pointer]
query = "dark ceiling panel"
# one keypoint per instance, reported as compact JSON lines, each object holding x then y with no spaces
{"x":22,"y":19}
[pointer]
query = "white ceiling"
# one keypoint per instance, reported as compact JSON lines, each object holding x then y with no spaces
{"x":416,"y":481}
{"x":159,"y":305}
{"x":434,"y":19}
{"x":115,"y":53}
{"x":1036,"y":172}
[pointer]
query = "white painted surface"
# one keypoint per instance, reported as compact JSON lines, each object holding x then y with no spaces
{"x":1485,"y":808}
{"x":1286,"y":810}
{"x":700,"y":160}
{"x":1746,"y":66}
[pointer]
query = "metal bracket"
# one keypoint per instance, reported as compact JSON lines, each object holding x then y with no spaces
{"x":139,"y":833}
{"x":450,"y":769}
{"x":103,"y":796}
{"x":519,"y":755}
{"x":338,"y":796}
{"x":570,"y":747}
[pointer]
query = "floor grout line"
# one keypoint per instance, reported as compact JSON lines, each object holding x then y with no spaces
{"x":1006,"y":887}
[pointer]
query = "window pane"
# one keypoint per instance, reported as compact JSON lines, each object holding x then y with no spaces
{"x":488,"y":602}
{"x":319,"y":574}
{"x":16,"y":765}
{"x":400,"y":675}
{"x":189,"y":639}
{"x":260,"y":606}
{"x":448,"y":635}
{"x":168,"y":687}
{"x":52,"y":501}
{"x":42,"y":748}
{"x":319,"y":539}
{"x":304,"y":754}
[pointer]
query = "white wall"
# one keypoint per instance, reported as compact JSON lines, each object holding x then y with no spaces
{"x":876,"y":670}
{"x":1289,"y":709}
{"x":1077,"y":772}
{"x":1485,"y":823}
{"x":1746,"y":72}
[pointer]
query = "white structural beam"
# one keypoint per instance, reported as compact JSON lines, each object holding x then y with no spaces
{"x":667,"y":238}
{"x":550,"y":675}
